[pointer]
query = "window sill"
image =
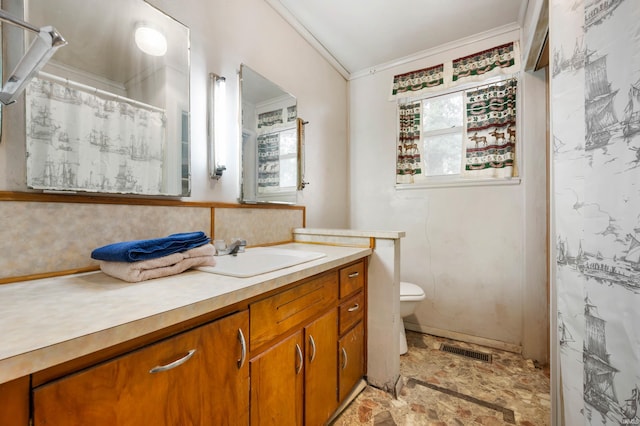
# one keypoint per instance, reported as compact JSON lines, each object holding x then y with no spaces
{"x":457,"y":182}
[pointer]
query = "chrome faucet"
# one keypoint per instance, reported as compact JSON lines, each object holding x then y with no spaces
{"x":236,"y":247}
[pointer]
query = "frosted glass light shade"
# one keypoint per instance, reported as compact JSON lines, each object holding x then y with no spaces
{"x":151,"y":41}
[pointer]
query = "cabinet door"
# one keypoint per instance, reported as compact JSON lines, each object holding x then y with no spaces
{"x":321,"y":370}
{"x":178,"y":381}
{"x":351,"y":353}
{"x":277,"y":381}
{"x":225,"y":382}
{"x":14,"y":402}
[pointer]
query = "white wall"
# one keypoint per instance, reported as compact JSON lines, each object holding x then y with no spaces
{"x":470,"y":248}
{"x":225,"y":34}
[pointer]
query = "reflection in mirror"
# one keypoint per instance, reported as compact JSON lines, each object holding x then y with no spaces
{"x":269,"y":141}
{"x":110,"y":112}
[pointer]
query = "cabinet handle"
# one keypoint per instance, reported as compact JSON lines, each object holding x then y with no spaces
{"x":354,"y":274}
{"x":173,"y":364}
{"x":313,"y":349}
{"x":354,"y":308}
{"x":344,"y":358}
{"x":300,"y":359}
{"x":243,"y":347}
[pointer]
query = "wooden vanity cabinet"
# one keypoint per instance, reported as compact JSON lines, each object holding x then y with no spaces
{"x":293,"y":377}
{"x":298,"y":339}
{"x":291,"y":358}
{"x":199,"y":377}
{"x":351,"y":346}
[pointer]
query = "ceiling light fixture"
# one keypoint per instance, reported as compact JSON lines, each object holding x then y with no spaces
{"x":151,"y":41}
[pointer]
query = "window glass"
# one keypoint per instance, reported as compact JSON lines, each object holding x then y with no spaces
{"x":442,"y":135}
{"x":442,"y":112}
{"x":443,"y":154}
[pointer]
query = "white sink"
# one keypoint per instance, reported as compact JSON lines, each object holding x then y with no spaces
{"x":259,"y":260}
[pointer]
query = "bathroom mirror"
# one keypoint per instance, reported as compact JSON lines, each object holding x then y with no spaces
{"x":110,"y":111}
{"x":270,"y":148}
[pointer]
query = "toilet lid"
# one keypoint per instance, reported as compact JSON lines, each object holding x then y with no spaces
{"x":410,"y":289}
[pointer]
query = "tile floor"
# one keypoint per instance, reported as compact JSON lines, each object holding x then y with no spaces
{"x":442,"y":388}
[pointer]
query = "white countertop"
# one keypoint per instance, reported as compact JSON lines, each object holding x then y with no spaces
{"x":49,"y":321}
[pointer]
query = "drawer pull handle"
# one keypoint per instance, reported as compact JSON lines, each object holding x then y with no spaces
{"x":174,"y":364}
{"x":300,"y":359}
{"x":344,"y":358}
{"x":313,"y":349}
{"x":354,"y":308}
{"x":243,"y":347}
{"x":354,"y":274}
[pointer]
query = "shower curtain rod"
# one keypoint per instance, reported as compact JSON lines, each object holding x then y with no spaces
{"x":89,"y":89}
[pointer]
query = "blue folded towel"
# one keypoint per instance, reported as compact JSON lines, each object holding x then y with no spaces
{"x":134,"y":251}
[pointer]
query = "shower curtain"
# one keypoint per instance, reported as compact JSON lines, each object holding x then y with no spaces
{"x":595,"y":72}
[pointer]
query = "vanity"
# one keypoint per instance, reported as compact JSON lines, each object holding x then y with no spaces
{"x":285,"y":347}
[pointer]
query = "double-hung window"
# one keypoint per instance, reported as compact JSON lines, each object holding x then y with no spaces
{"x":464,"y":137}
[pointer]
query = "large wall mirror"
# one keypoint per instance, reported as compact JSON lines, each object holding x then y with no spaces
{"x":271,"y":143}
{"x":110,"y":111}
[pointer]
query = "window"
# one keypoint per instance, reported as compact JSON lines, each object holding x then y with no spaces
{"x":442,"y":133}
{"x":459,"y":137}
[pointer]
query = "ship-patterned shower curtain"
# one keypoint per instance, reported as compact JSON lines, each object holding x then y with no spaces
{"x":595,"y":87}
{"x":122,"y":145}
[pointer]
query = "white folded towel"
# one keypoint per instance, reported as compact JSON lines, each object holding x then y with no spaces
{"x":161,"y":266}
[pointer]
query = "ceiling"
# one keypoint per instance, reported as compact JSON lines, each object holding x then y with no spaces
{"x":358,"y":35}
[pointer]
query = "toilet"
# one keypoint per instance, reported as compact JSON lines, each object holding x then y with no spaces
{"x":410,"y":295}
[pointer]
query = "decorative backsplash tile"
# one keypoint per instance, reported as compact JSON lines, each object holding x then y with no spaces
{"x":257,"y":225}
{"x":48,"y":237}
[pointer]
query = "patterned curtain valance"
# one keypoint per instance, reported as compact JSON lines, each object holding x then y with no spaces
{"x":504,"y":59}
{"x":498,"y":60}
{"x":271,"y":118}
{"x":416,"y":82}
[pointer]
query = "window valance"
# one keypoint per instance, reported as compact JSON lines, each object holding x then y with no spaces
{"x":503,"y":59}
{"x":417,"y":82}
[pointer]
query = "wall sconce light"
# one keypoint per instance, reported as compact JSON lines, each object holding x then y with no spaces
{"x":47,"y":41}
{"x":215,"y":122}
{"x":150,"y":40}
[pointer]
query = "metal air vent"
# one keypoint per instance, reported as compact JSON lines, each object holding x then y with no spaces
{"x":469,"y":353}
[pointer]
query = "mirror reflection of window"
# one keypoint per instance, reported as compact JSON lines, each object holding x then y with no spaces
{"x":269,"y":141}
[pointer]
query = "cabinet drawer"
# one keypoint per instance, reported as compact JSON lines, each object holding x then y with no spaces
{"x":351,"y":279}
{"x":167,"y":383}
{"x":277,"y":314}
{"x":351,"y":312}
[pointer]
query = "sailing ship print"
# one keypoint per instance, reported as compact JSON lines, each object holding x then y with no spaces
{"x":565,"y":337}
{"x":596,"y":11}
{"x":631,"y":122}
{"x":599,"y":389}
{"x":40,"y":124}
{"x":620,"y":269}
{"x":125,"y":180}
{"x":599,"y":113}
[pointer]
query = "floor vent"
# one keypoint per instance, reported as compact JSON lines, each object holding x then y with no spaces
{"x":469,"y":353}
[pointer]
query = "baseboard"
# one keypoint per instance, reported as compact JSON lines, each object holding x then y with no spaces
{"x":496,"y":344}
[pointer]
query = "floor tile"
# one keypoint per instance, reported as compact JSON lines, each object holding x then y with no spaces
{"x":443,"y":388}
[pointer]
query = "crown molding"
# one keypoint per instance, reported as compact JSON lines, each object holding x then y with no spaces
{"x":494,"y":32}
